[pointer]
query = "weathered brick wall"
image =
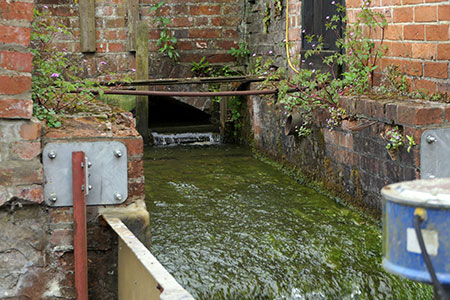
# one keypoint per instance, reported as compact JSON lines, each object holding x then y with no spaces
{"x":417,"y":39}
{"x":417,"y":36}
{"x":203,"y":28}
{"x":20,"y":169}
{"x":36,"y":248}
{"x":352,"y":159}
{"x":267,"y":39}
{"x":36,"y":253}
{"x":356,"y":164}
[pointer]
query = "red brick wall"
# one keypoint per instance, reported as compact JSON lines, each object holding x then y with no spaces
{"x":203,"y":28}
{"x":15,"y":59}
{"x":295,"y":26}
{"x":417,"y":39}
{"x":37,"y":239}
{"x":20,"y":168}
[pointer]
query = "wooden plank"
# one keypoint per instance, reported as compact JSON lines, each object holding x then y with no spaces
{"x":79,"y":224}
{"x":133,"y":16}
{"x":87,"y":26}
{"x":142,"y":74}
{"x":223,"y":111}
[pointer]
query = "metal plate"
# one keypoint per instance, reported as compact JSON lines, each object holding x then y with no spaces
{"x":108,"y":174}
{"x":435,"y":153}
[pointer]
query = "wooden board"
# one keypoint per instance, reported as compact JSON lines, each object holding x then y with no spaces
{"x":142,"y":74}
{"x":133,"y":16}
{"x":87,"y":26}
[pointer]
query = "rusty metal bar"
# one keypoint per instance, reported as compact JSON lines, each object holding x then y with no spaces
{"x":79,"y":224}
{"x":193,"y":80}
{"x":190,"y":94}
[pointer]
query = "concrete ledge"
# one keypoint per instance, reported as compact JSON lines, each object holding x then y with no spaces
{"x":141,"y":276}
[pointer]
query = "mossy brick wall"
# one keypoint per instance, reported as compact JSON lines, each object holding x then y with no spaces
{"x":350,"y":160}
{"x":203,"y":28}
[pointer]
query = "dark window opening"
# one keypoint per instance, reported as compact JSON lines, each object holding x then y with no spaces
{"x":315,"y":14}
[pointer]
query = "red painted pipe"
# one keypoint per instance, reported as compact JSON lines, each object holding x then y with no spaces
{"x":79,"y":224}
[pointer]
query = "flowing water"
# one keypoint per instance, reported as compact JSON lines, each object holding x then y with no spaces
{"x":177,"y":139}
{"x":228,"y":226}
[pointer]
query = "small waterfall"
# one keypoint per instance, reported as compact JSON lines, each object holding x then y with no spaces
{"x":188,"y":138}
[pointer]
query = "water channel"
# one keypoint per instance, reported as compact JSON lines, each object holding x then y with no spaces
{"x":229,"y":226}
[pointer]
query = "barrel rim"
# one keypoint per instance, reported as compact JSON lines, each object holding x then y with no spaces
{"x":413,"y":274}
{"x":396,"y":193}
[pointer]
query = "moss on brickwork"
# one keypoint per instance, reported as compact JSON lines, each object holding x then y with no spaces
{"x":126,"y":102}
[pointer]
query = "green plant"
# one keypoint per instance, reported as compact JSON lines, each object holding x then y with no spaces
{"x":56,"y":75}
{"x":358,"y":55}
{"x":240,"y":52}
{"x":411,"y":142}
{"x":167,"y":43}
{"x":266,"y":19}
{"x":47,"y":115}
{"x":336,"y":115}
{"x":393,"y":82}
{"x":202,"y":68}
{"x":278,"y":7}
{"x":394,"y":138}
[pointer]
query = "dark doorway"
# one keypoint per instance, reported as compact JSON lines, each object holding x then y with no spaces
{"x":167,"y":112}
{"x":315,"y":14}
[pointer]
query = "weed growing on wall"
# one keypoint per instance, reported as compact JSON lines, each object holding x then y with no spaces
{"x":58,"y":86}
{"x":396,"y":140}
{"x":55,"y":75}
{"x":166,"y":43}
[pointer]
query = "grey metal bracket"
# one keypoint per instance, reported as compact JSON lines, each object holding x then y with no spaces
{"x":435,"y":153}
{"x":106,"y":168}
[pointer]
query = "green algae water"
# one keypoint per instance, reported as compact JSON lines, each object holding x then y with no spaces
{"x":228,"y":226}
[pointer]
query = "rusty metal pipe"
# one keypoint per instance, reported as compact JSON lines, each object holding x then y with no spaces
{"x":189,"y":94}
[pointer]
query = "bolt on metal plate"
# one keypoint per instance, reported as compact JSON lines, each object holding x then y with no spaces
{"x":107,"y":173}
{"x":435,"y":153}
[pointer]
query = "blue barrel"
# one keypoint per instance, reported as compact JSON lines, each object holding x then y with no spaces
{"x":401,"y":251}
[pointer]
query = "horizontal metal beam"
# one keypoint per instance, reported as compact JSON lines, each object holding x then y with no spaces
{"x":193,"y":80}
{"x":189,"y":94}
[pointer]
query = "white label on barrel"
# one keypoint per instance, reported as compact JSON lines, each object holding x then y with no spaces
{"x":430,"y":237}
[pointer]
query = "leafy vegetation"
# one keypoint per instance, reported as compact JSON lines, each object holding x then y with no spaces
{"x":316,"y":88}
{"x":240,"y":52}
{"x":166,"y":43}
{"x":58,"y":84}
{"x":55,"y":74}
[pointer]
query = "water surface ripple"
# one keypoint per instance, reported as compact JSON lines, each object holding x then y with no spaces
{"x":229,"y":226}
